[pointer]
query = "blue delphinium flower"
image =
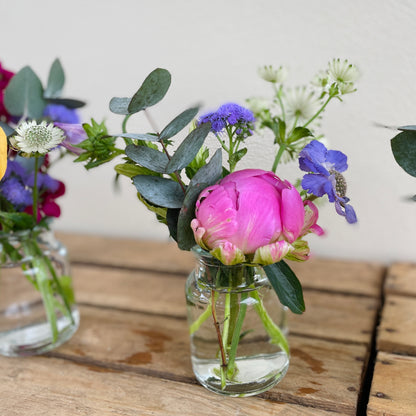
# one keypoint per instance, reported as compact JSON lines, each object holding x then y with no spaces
{"x":62,"y":114}
{"x":230,"y":114}
{"x":324,"y":177}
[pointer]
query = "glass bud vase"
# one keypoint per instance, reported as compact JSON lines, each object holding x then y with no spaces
{"x":37,"y":305}
{"x":237,"y":328}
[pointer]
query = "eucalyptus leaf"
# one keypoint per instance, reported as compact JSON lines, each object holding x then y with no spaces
{"x":178,"y":123}
{"x":120,"y":105}
{"x":139,"y":136}
{"x":404,"y":150}
{"x":159,"y":191}
{"x":148,"y":157}
{"x":24,"y":94}
{"x":206,"y":176}
{"x":56,"y":80}
{"x":189,"y":148}
{"x":407,"y":128}
{"x":172,"y":222}
{"x":67,"y":102}
{"x":153,"y":89}
{"x":7,"y":129}
{"x":286,"y":285}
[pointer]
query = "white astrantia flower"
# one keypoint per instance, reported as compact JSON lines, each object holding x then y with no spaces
{"x":270,"y":74}
{"x":36,"y":138}
{"x":301,"y":104}
{"x":343,"y":74}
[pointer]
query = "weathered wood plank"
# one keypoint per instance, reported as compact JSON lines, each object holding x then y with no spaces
{"x":401,"y":279}
{"x":327,"y":316}
{"x":397,"y":330}
{"x":359,"y":278}
{"x":43,"y":386}
{"x":322,"y":374}
{"x":127,"y":253}
{"x":393,"y":391}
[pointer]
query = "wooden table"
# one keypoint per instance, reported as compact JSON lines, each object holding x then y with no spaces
{"x":352,"y":352}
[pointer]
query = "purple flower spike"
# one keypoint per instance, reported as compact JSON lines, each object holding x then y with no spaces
{"x":324,"y":177}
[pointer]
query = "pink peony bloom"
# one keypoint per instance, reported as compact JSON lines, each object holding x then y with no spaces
{"x":252,"y":215}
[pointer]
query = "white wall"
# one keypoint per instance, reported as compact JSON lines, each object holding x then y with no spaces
{"x":213,"y":49}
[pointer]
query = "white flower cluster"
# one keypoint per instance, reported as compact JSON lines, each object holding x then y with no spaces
{"x":32,"y":137}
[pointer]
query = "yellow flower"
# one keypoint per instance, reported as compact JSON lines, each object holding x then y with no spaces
{"x":3,"y":153}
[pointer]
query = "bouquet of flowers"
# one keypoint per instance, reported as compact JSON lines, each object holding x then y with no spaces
{"x":238,"y":220}
{"x":37,"y":128}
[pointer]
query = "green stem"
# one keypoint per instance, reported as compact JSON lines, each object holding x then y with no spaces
{"x":282,"y":148}
{"x":227,"y":317}
{"x":236,"y":334}
{"x":278,"y":93}
{"x":201,"y":319}
{"x":35,"y":189}
{"x":276,"y":335}
{"x":319,"y":111}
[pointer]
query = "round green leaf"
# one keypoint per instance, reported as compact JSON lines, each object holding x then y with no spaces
{"x":404,"y":150}
{"x":120,"y":105}
{"x":24,"y":94}
{"x":153,"y":89}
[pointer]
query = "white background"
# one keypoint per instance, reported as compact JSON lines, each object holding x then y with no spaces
{"x":213,"y":49}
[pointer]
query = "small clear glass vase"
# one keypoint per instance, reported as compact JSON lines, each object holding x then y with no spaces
{"x":238,"y":328}
{"x":37,"y":305}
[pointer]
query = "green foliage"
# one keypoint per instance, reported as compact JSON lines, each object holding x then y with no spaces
{"x":56,"y":80}
{"x":207,"y":175}
{"x":153,"y":89}
{"x":179,"y":123}
{"x":286,"y":285}
{"x":99,"y":148}
{"x":199,"y":160}
{"x":24,"y":95}
{"x":159,"y":191}
{"x":404,"y":149}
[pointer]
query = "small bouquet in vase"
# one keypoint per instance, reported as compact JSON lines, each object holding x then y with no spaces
{"x":242,"y":225}
{"x":37,"y":305}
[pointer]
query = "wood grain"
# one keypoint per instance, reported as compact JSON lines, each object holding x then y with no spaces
{"x":360,"y":278}
{"x":393,"y":391}
{"x":321,"y":374}
{"x":49,"y":386}
{"x":401,"y":279}
{"x":397,"y":330}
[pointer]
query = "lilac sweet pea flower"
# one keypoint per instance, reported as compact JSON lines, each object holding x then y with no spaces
{"x":250,"y":212}
{"x":61,"y":114}
{"x":325,"y":167}
{"x":74,"y":134}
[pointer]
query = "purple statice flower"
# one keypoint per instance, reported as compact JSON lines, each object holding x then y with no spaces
{"x":62,"y":114}
{"x":324,"y":177}
{"x":230,"y":114}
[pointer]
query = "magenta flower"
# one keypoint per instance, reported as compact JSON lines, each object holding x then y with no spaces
{"x":251,"y":215}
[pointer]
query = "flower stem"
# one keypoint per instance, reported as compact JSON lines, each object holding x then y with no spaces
{"x":282,"y":148}
{"x":223,"y":356}
{"x":319,"y":111}
{"x":35,"y":189}
{"x":236,"y":334}
{"x":276,"y":335}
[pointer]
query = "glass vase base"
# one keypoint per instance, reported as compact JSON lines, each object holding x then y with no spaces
{"x":253,"y":374}
{"x":37,"y":338}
